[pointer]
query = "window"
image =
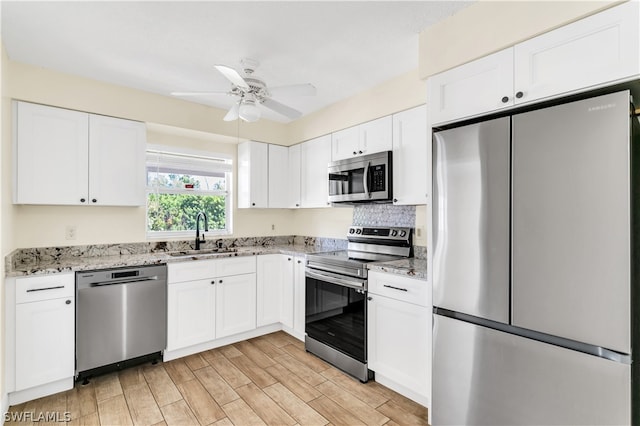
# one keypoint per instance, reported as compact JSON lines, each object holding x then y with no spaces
{"x":179,"y":185}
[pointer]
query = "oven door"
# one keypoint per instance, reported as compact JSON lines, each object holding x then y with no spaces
{"x":336,"y":312}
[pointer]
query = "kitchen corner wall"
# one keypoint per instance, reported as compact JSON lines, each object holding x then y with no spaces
{"x":175,"y":122}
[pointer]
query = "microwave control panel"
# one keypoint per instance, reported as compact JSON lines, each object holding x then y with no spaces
{"x":378,"y":178}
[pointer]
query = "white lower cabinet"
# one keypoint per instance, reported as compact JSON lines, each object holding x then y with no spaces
{"x":190,"y":313}
{"x":235,"y":304}
{"x":299,"y":296}
{"x":210,"y":299}
{"x":399,"y":334}
{"x":45,"y":350}
{"x":39,"y":335}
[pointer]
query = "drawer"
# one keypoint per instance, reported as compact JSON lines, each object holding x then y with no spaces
{"x":190,"y":271}
{"x":45,"y":287}
{"x":400,"y":288}
{"x":235,"y":266}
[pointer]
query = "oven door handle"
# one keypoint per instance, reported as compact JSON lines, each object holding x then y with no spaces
{"x":358,"y":285}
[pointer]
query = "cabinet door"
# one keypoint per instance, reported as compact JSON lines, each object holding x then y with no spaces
{"x":51,"y":154}
{"x":117,"y":174}
{"x":269,"y":279}
{"x":45,"y":350}
{"x":190,"y":313}
{"x":399,"y":348}
{"x":316,"y":156}
{"x":287,"y":291}
{"x":599,"y":49}
{"x":411,"y":156}
{"x":278,"y":177}
{"x":235,"y":304}
{"x":345,"y":144}
{"x":299,"y":295}
{"x":252,"y":175}
{"x":474,"y":88}
{"x":375,"y":136}
{"x":294,"y":171}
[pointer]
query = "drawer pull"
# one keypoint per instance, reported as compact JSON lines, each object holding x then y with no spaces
{"x":395,"y":288}
{"x":45,"y":288}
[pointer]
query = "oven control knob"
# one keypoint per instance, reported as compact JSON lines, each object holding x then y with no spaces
{"x":403,"y":233}
{"x":358,"y":231}
{"x":394,"y":233}
{"x":351,"y":230}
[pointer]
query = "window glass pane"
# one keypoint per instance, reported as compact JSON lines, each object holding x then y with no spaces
{"x":211,"y":182}
{"x":177,"y":212}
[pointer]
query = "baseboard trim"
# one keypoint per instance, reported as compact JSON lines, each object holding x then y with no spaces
{"x":39,"y":391}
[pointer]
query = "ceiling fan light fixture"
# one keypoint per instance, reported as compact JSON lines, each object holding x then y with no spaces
{"x":249,"y":111}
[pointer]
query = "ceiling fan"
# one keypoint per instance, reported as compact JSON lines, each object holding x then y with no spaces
{"x":251,"y":91}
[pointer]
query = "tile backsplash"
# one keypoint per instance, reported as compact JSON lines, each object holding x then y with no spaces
{"x":384,"y":215}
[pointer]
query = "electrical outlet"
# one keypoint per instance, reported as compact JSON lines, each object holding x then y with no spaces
{"x":70,"y":232}
{"x":419,"y":232}
{"x":273,"y":227}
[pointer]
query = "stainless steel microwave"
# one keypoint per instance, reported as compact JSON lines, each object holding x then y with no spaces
{"x":362,"y":179}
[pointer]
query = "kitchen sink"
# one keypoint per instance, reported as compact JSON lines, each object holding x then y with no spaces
{"x":186,"y":253}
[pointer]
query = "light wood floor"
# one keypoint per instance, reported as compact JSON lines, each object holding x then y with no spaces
{"x":267,"y":380}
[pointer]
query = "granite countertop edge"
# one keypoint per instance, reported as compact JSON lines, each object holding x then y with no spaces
{"x":415,"y":268}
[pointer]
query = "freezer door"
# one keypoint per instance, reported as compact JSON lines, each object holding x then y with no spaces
{"x":471,"y":219}
{"x":571,"y":221}
{"x":486,"y":377}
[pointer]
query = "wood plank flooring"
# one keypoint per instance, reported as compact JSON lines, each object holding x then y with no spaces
{"x":268,"y":380}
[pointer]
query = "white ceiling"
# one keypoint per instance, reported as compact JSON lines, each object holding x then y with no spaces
{"x":342,"y":48}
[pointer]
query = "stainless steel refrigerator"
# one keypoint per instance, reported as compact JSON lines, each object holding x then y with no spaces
{"x":535,"y":264}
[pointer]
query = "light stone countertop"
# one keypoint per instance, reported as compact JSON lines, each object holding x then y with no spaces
{"x":415,"y":268}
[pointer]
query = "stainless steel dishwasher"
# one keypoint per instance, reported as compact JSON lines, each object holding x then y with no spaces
{"x":121,"y":317}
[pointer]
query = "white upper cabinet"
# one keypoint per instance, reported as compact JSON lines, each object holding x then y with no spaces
{"x":483,"y":85}
{"x":411,"y":147}
{"x":315,"y":158}
{"x":51,"y":155}
{"x":116,"y":161}
{"x":367,"y":138}
{"x":279,"y":191}
{"x":253,"y":175}
{"x":294,"y":171}
{"x":595,"y":51}
{"x":69,"y":157}
{"x":599,"y":49}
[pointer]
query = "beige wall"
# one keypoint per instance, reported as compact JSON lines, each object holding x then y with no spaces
{"x":488,"y":26}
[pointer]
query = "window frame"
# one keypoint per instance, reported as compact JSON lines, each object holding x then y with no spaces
{"x":225,"y":163}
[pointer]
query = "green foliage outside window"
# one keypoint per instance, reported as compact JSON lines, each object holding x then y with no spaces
{"x":171,"y":211}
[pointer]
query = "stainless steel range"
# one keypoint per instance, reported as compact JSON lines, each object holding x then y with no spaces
{"x":336,"y":295}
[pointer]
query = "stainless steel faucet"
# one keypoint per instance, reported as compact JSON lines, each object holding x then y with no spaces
{"x":202,"y":215}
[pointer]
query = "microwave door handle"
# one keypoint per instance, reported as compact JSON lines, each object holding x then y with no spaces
{"x":366,"y":179}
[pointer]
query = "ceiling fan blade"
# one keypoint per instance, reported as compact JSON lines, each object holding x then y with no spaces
{"x":282,"y":109}
{"x":294,"y":90}
{"x":232,"y":75}
{"x":233,"y":112}
{"x":198,"y":93}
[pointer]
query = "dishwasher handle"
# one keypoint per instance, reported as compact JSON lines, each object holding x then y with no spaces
{"x":117,"y":282}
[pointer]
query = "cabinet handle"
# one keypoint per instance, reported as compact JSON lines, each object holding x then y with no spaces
{"x":297,"y":205}
{"x":355,"y":153}
{"x":220,"y":281}
{"x":519,"y":95}
{"x":213,"y":282}
{"x":395,"y":288}
{"x":505,"y":99}
{"x":395,"y":200}
{"x":94,"y":200}
{"x":289,"y":259}
{"x":45,"y":288}
{"x":253,"y":204}
{"x":68,"y":302}
{"x":369,"y":298}
{"x":299,"y":261}
{"x":82,"y":200}
{"x":359,"y":152}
